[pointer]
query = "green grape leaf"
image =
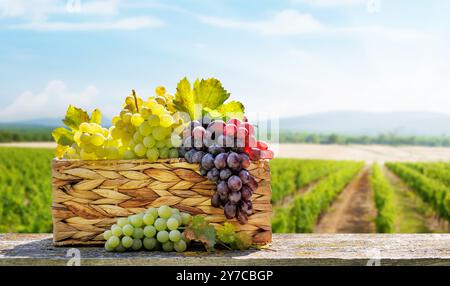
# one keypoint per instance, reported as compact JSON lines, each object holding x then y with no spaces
{"x":184,"y":97}
{"x":232,"y":109}
{"x":200,"y":230}
{"x":226,"y":233}
{"x":75,"y":116}
{"x":63,"y":136}
{"x":210,"y":93}
{"x":96,"y":116}
{"x":242,"y":241}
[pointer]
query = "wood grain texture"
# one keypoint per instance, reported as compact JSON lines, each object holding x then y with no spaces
{"x":286,"y":249}
{"x":89,"y":196}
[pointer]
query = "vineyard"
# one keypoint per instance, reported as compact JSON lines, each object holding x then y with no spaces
{"x":307,"y":195}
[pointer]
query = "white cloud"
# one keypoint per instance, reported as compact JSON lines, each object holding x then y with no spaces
{"x":330,"y":3}
{"x":287,"y":22}
{"x":41,"y":9}
{"x":49,"y":103}
{"x":122,"y":24}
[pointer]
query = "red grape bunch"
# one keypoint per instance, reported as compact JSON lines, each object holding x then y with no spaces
{"x":224,"y":151}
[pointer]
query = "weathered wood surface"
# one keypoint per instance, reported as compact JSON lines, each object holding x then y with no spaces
{"x":286,"y":249}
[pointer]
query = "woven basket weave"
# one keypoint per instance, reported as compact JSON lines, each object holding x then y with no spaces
{"x":89,"y":196}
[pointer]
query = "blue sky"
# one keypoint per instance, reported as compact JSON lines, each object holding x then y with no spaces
{"x":289,"y":57}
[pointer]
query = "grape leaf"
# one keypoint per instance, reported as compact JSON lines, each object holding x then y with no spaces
{"x":210,"y":93}
{"x":75,"y":116}
{"x":232,"y":109}
{"x":242,"y":241}
{"x":184,"y":97}
{"x":60,"y":150}
{"x":200,"y":230}
{"x":96,"y":116}
{"x":63,"y":136}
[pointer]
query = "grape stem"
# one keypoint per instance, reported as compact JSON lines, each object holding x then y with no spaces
{"x":135,"y":99}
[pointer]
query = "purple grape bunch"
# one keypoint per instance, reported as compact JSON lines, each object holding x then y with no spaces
{"x":222,"y":160}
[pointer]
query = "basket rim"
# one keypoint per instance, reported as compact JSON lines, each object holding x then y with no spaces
{"x":169,"y":160}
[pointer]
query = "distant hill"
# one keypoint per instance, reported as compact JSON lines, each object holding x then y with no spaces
{"x":370,"y":123}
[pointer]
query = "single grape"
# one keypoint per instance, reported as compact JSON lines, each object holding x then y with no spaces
{"x":188,"y":156}
{"x":234,"y":161}
{"x":162,"y":236}
{"x":234,"y":183}
{"x":246,"y":193}
{"x":245,"y":160}
{"x":222,"y":188}
{"x":172,"y":223}
{"x":197,"y":157}
{"x":173,"y":153}
{"x":148,"y":219}
{"x":244,"y":175}
{"x":186,"y":218}
{"x":176,"y":140}
{"x":234,"y":197}
{"x":160,"y":224}
{"x":198,"y":132}
{"x":203,"y":172}
{"x":137,"y":137}
{"x":136,"y":220}
{"x":113,"y":241}
{"x":241,"y":217}
{"x":149,"y":243}
{"x":149,"y":141}
{"x":138,"y":233}
{"x":128,"y":155}
{"x":208,"y":162}
{"x":229,"y":210}
{"x":208,"y":139}
{"x":108,"y":247}
{"x":167,"y":246}
{"x":213,"y":175}
{"x":140,"y":150}
{"x":174,"y":235}
{"x":152,"y":154}
{"x":153,"y":211}
{"x":127,"y":241}
{"x":107,"y":234}
{"x":159,"y":133}
{"x":225,"y":174}
{"x":175,"y":211}
{"x":153,"y":120}
{"x":128,"y":230}
{"x":221,"y":161}
{"x":178,"y":218}
{"x":149,"y":231}
{"x":215,"y":200}
{"x":116,"y":230}
{"x":180,"y":246}
{"x":164,"y":153}
{"x":249,"y":207}
{"x":165,"y":211}
{"x":166,"y":120}
{"x":137,"y":244}
{"x":97,"y":139}
{"x":220,"y":140}
{"x":122,"y":221}
{"x":136,"y":119}
{"x":160,"y":144}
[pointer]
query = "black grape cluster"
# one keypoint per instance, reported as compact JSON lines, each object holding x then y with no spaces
{"x":223,"y":161}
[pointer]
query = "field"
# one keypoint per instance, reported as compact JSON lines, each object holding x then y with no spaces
{"x":324,"y":196}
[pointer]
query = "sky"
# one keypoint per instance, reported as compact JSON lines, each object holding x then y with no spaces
{"x":289,"y":57}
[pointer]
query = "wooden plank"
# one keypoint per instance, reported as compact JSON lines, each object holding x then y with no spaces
{"x":286,"y":249}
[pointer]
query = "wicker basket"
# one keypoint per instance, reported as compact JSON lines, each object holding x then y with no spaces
{"x":89,"y":196}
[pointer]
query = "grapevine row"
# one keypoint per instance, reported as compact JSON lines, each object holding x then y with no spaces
{"x":384,"y":201}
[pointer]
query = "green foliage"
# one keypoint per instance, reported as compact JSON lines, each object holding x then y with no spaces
{"x":301,"y":214}
{"x":384,"y":201}
{"x":209,"y":95}
{"x":432,"y":191}
{"x":289,"y":175}
{"x":201,"y":231}
{"x":25,"y":134}
{"x":25,"y":190}
{"x":226,"y":234}
{"x":438,"y":171}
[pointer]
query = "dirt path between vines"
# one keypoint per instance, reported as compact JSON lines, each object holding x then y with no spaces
{"x":353,"y":211}
{"x":413,"y":215}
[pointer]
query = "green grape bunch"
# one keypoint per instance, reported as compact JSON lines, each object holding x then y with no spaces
{"x":155,"y":229}
{"x":155,"y":126}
